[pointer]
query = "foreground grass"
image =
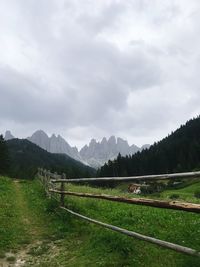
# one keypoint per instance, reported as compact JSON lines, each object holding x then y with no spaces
{"x":185,"y":194}
{"x":12,"y":232}
{"x":173,"y":226}
{"x":78,"y":243}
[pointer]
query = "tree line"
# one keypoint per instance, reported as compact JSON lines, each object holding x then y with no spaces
{"x":4,"y":156}
{"x":178,"y":152}
{"x":19,"y":158}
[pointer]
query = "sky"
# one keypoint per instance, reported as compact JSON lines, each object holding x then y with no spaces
{"x":89,"y":69}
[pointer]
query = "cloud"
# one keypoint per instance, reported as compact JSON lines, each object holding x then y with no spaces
{"x":128,"y":68}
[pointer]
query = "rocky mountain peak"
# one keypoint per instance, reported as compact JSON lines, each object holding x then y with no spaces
{"x":145,"y":146}
{"x":104,"y":140}
{"x":53,"y":136}
{"x":8,"y":136}
{"x":54,"y":144}
{"x":112,"y":140}
{"x":121,"y":141}
{"x":95,"y":154}
{"x":93,"y":141}
{"x":39,"y":133}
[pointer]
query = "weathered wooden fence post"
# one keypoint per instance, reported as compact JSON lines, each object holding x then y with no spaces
{"x":62,"y":189}
{"x":53,"y":185}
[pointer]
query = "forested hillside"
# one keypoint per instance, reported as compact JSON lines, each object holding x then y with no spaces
{"x":25,"y":157}
{"x":178,"y":152}
{"x":4,"y":157}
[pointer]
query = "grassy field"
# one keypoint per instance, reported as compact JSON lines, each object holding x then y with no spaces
{"x":33,"y":229}
{"x":185,"y":194}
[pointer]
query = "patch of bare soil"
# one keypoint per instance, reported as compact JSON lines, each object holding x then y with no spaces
{"x":31,"y":255}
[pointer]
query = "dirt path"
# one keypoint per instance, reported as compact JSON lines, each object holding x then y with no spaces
{"x":29,"y":254}
{"x":31,"y":225}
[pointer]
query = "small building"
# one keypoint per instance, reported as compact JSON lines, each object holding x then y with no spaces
{"x":134,"y":188}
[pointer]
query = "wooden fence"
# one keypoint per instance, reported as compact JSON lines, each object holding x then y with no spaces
{"x":49,"y":181}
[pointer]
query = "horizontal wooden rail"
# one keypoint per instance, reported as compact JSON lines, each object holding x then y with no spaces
{"x":176,"y":205}
{"x":152,"y":240}
{"x":48,"y":180}
{"x":131,"y":178}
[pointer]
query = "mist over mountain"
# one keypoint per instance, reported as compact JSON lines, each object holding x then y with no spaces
{"x":95,"y":154}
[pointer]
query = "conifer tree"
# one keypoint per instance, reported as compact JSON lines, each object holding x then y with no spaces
{"x":4,"y":158}
{"x":178,"y":152}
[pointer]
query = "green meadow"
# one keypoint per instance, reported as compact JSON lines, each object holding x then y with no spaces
{"x":34,"y":230}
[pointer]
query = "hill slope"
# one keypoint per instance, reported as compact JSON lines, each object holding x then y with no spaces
{"x":26,"y":157}
{"x":178,"y":152}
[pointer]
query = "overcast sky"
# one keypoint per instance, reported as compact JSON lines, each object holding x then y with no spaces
{"x":88,"y":69}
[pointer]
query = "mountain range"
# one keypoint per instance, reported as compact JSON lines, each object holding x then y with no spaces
{"x":95,"y":154}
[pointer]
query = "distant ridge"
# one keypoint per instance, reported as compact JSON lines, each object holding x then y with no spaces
{"x":95,"y":154}
{"x":26,"y":157}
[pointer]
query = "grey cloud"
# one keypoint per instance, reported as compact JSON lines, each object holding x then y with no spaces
{"x":107,"y":18}
{"x":25,"y":99}
{"x":68,"y":72}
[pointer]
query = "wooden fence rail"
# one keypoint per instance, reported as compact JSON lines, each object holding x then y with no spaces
{"x":49,"y":180}
{"x":152,"y":240}
{"x":176,"y":205}
{"x":57,"y":179}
